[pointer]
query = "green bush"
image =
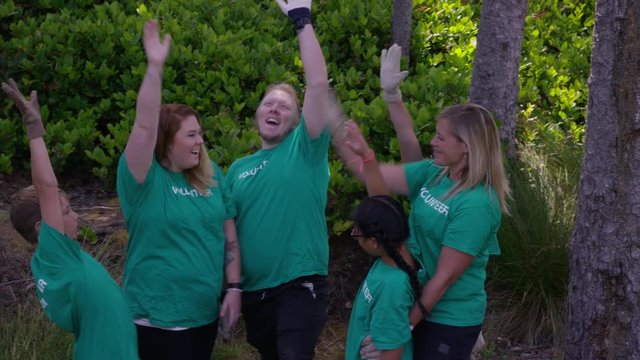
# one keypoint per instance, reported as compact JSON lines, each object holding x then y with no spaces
{"x":86,"y":60}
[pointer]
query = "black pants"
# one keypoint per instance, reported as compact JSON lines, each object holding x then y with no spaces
{"x":284,"y":322}
{"x":433,"y":341}
{"x":190,"y":344}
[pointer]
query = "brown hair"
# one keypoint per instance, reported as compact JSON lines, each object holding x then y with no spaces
{"x":473,"y":125}
{"x":25,"y":212}
{"x":201,"y":177}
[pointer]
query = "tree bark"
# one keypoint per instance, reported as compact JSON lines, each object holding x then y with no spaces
{"x":494,"y":82}
{"x":603,"y":306}
{"x":401,"y":20}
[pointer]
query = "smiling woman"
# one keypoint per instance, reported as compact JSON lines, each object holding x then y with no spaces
{"x":181,"y":231}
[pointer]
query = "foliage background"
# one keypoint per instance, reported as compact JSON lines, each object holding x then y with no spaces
{"x":85,"y":59}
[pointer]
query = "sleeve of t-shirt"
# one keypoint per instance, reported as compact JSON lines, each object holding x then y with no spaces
{"x":472,"y":228}
{"x":56,"y":250}
{"x":130,"y":193}
{"x":227,"y":199}
{"x":389,"y":327}
{"x":418,"y":173}
{"x":317,"y":149}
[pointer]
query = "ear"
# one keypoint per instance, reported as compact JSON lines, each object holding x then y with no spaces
{"x":37,"y":226}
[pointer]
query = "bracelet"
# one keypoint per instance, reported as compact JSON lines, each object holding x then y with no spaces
{"x":370,"y":157}
{"x":423,"y":309}
{"x":234,"y":289}
{"x":300,"y":17}
{"x":234,"y":285}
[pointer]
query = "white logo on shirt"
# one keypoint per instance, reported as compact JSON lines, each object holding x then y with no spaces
{"x":43,"y":303}
{"x":434,"y":203}
{"x":41,"y":285}
{"x":253,"y":171}
{"x":366,"y":292}
{"x":188,"y":192}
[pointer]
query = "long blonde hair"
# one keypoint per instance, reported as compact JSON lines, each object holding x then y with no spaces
{"x":201,"y":177}
{"x":473,"y":125}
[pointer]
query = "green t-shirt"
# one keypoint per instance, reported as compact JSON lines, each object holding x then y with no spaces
{"x":79,"y":295}
{"x":175,"y":256}
{"x":467,"y":222}
{"x":381,"y":309}
{"x":280,"y":195}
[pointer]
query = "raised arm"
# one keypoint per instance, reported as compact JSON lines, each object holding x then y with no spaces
{"x":315,"y":68}
{"x":142,"y":141}
{"x":367,"y":158}
{"x":390,"y":79}
{"x":43,"y":177}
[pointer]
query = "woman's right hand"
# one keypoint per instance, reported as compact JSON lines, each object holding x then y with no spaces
{"x":156,"y":50}
{"x":356,"y":141}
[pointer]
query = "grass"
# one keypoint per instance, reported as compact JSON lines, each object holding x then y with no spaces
{"x":528,"y":282}
{"x":27,"y":334}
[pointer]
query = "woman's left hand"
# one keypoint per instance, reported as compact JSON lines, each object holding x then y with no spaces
{"x":230,"y":310}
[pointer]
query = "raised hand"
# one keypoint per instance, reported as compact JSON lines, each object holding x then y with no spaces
{"x":29,"y":109}
{"x":287,"y":6}
{"x":390,"y":74}
{"x":355,"y":140}
{"x":156,"y":50}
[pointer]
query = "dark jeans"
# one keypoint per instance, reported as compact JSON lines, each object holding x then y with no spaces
{"x":193,"y":343}
{"x":433,"y":341}
{"x":284,"y":322}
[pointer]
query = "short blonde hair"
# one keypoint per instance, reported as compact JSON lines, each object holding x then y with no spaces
{"x":287,"y":88}
{"x":473,"y":125}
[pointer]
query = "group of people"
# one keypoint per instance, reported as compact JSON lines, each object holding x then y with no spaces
{"x":205,"y":246}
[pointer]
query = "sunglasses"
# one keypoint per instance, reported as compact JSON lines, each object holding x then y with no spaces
{"x":356,"y":233}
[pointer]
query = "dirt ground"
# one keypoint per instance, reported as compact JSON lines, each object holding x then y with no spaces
{"x":99,"y":210}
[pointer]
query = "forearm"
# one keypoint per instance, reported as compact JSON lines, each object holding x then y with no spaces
{"x":410,"y":150}
{"x":315,"y":68}
{"x":232,"y":266}
{"x":395,"y":354}
{"x":373,"y":176}
{"x":149,"y":99}
{"x":41,"y":170}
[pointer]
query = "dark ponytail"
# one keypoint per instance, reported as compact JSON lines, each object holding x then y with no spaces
{"x":383,"y":218}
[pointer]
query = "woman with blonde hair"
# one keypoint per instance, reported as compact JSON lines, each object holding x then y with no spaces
{"x":457,"y":200}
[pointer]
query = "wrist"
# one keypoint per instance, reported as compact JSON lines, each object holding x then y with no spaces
{"x":234,"y":287}
{"x":423,"y":309}
{"x":154,"y":69}
{"x":394,"y":95}
{"x":369,"y":156}
{"x":300,"y":17}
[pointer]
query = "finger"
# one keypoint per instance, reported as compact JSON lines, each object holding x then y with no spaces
{"x":166,"y":40}
{"x":13,"y":91}
{"x":34,"y":97}
{"x":395,"y":48}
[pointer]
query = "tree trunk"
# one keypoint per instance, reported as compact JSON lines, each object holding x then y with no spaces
{"x":494,"y":83}
{"x":401,"y":25}
{"x":603,"y":307}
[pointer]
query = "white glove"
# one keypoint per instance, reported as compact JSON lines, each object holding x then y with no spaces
{"x":390,"y":74}
{"x":368,"y":349}
{"x":287,"y":6}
